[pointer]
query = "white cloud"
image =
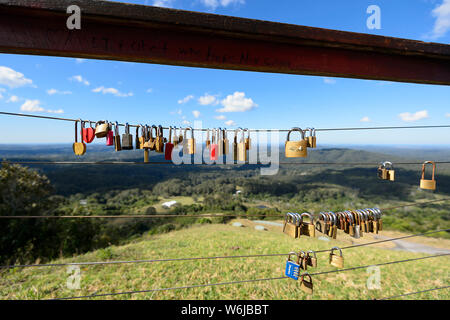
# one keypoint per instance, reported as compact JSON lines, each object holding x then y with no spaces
{"x":230,"y":123}
{"x":1,"y":96}
{"x":447,"y":115}
{"x":207,"y":99}
{"x":79,"y":79}
{"x":185,"y":122}
{"x":237,"y":102}
{"x":442,"y":23}
{"x":32,"y":106}
{"x":213,"y":4}
{"x":78,"y":60}
{"x":56,"y":111}
{"x":12,"y":78}
{"x":196,"y":113}
{"x":186,"y":99}
{"x":163,"y":3}
{"x":220,"y":117}
{"x":112,"y":91}
{"x":54,"y":91}
{"x":365,"y":119}
{"x":410,"y":117}
{"x":35,"y":106}
{"x":13,"y":99}
{"x":329,"y":80}
{"x":149,"y":90}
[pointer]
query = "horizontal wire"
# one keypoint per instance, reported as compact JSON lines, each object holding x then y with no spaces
{"x":205,"y":258}
{"x":153,"y":216}
{"x":246,"y":281}
{"x":411,"y":293}
{"x":254,"y":130}
{"x":204,"y":163}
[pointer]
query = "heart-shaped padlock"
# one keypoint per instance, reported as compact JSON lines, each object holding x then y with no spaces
{"x":88,"y":133}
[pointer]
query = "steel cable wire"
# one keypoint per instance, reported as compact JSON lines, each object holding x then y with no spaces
{"x":245,"y":281}
{"x":206,"y":258}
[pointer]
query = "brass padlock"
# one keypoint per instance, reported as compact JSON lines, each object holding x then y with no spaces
{"x":79,"y":148}
{"x":248,"y":141}
{"x":382,"y":172}
{"x":101,"y":129}
{"x":302,"y":260}
{"x":117,"y":144}
{"x":225,"y":142}
{"x":295,"y":149}
{"x":159,"y":141}
{"x":242,"y":149}
{"x":333,"y":218}
{"x":208,"y":140}
{"x":306,"y":285}
{"x":127,"y":139}
{"x":322,"y":224}
{"x":380,"y":220}
{"x":140,"y":139}
{"x":219,"y":141}
{"x":311,"y":260}
{"x":175,"y":137}
{"x":390,"y":172}
{"x":311,"y":138}
{"x":147,"y":141}
{"x":235,"y":145}
{"x":428,"y":184}
{"x":305,"y":228}
{"x":290,"y":225}
{"x":336,"y":260}
{"x":189,"y":144}
{"x":374,"y":220}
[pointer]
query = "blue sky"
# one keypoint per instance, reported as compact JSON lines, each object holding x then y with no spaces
{"x":168,"y":95}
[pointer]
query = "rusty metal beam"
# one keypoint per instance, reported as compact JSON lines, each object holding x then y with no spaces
{"x":126,"y":32}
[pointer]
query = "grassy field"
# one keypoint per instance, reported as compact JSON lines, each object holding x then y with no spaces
{"x":218,"y":240}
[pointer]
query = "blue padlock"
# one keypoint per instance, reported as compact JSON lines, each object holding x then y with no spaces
{"x":292,"y":268}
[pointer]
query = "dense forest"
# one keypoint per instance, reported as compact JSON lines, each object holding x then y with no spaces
{"x":76,"y":189}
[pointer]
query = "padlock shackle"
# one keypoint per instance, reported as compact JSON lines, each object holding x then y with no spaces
{"x":336,"y":248}
{"x":295,"y":129}
{"x":388,"y":163}
{"x":290,"y":254}
{"x":192,"y":132}
{"x":423,"y":169}
{"x":306,"y":274}
{"x":116,"y":129}
{"x":333,"y":217}
{"x":312,"y":252}
{"x":324,"y":216}
{"x":308,"y":215}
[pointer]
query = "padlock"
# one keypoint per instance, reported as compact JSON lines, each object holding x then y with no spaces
{"x":311,"y":260}
{"x":242,"y":149}
{"x":428,"y":184}
{"x":88,"y":133}
{"x":175,"y":137}
{"x":322,"y":224}
{"x":101,"y":129}
{"x":214,"y":150}
{"x":295,"y":149}
{"x":127,"y":138}
{"x":305,"y":228}
{"x":225,"y":142}
{"x":248,"y":141}
{"x":208,"y":140}
{"x":79,"y":148}
{"x":151,"y":142}
{"x":312,"y":138}
{"x":382,"y":172}
{"x":290,"y":225}
{"x":336,"y":260}
{"x":390,"y":172}
{"x":235,"y":145}
{"x":359,"y":223}
{"x":189,"y":144}
{"x":159,"y":141}
{"x":169,"y":146}
{"x":117,"y":144}
{"x":180,"y":136}
{"x":374,"y":220}
{"x":351,"y":223}
{"x":110,"y":136}
{"x":140,"y":139}
{"x":306,"y":285}
{"x":147,"y":145}
{"x":302,"y":260}
{"x":333,"y":224}
{"x":292,"y":268}
{"x":356,"y":227}
{"x":219,"y":142}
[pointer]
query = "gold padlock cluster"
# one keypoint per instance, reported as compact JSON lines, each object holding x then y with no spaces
{"x":386,"y":172}
{"x":352,"y":222}
{"x":299,"y":148}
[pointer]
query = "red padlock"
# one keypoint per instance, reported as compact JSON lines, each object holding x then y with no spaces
{"x":169,"y":146}
{"x":214,"y":146}
{"x":87,"y":133}
{"x":110,"y":136}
